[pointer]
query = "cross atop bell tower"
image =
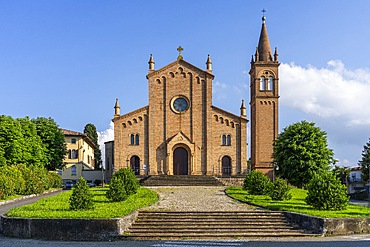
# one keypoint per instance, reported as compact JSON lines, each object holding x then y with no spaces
{"x":264,"y":103}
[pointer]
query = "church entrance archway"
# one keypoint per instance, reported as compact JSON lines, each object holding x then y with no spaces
{"x":180,"y":161}
{"x":226,"y":166}
{"x":135,"y":164}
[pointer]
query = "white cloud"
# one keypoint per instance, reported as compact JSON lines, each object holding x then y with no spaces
{"x":104,"y":136}
{"x":329,"y":92}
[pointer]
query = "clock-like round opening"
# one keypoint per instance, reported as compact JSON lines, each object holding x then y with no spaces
{"x":179,"y":104}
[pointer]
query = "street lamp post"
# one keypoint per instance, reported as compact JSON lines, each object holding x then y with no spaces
{"x":276,"y":167}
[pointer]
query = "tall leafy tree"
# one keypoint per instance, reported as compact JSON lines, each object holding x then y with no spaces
{"x":301,"y":151}
{"x":365,"y":161}
{"x":90,"y":131}
{"x":33,"y":150}
{"x":11,"y":141}
{"x":53,"y":140}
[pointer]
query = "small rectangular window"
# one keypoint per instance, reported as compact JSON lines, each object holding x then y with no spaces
{"x":73,"y":140}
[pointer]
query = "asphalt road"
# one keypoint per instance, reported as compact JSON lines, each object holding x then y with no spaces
{"x":322,"y":242}
{"x":6,"y":207}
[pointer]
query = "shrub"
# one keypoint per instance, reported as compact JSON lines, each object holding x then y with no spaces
{"x":280,"y":190}
{"x":55,"y":180}
{"x":116,"y":192}
{"x":81,"y":198}
{"x":122,"y":185}
{"x":130,"y":181}
{"x":33,"y":183}
{"x":326,"y":192}
{"x":256,"y":183}
{"x":11,"y":181}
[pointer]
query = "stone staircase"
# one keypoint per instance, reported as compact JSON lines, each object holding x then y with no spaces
{"x":211,"y":225}
{"x":180,"y":180}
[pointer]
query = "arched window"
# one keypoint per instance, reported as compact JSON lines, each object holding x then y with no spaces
{"x":223,"y":141}
{"x":270,"y":83}
{"x":262,"y":83}
{"x":74,"y":154}
{"x":137,"y":139}
{"x":228,"y":140}
{"x":226,"y":166}
{"x":73,"y":170}
{"x":132,"y":139}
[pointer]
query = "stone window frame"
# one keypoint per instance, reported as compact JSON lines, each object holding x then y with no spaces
{"x":135,"y":139}
{"x":226,"y":140}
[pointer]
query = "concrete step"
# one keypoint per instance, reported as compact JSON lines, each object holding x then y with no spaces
{"x":208,"y":225}
{"x":200,"y":236}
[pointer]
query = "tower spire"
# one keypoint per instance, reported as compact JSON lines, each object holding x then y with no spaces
{"x":209,"y":64}
{"x":243,"y":110}
{"x":151,"y":64}
{"x":264,"y":50}
{"x":117,"y":109}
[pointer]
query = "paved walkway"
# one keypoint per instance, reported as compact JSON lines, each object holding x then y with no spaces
{"x":7,"y":205}
{"x":360,"y":203}
{"x":195,"y":198}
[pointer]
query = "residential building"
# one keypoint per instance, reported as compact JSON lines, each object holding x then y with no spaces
{"x":80,"y":155}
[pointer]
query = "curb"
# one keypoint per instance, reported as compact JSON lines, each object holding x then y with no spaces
{"x":28,"y":196}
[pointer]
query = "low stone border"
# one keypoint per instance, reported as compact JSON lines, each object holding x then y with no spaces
{"x":324,"y":226}
{"x":66,"y":229}
{"x":330,"y":226}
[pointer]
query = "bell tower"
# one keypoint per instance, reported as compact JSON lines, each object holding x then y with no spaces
{"x":264,"y":103}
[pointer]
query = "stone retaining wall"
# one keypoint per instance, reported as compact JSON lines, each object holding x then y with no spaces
{"x":332,"y":226}
{"x":66,"y":229}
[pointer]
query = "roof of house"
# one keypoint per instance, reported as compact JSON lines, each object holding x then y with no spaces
{"x":75,"y":133}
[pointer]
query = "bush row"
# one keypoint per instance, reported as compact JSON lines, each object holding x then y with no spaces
{"x":324,"y":191}
{"x":26,"y":180}
{"x":256,"y":183}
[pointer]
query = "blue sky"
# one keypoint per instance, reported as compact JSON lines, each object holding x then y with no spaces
{"x":70,"y":60}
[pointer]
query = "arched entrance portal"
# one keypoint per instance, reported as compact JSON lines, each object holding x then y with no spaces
{"x":135,"y":164}
{"x":180,"y":161}
{"x":226,"y":166}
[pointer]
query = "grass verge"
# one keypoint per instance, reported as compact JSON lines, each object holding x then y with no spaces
{"x":297,"y":204}
{"x":58,"y":206}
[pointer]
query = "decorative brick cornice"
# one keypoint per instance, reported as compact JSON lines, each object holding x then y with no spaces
{"x":179,"y":63}
{"x":228,"y":114}
{"x":144,"y":109}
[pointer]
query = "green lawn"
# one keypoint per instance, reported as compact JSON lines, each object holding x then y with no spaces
{"x":297,"y":204}
{"x":58,"y":206}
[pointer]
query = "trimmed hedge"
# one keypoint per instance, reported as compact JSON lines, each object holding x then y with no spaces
{"x":26,"y":180}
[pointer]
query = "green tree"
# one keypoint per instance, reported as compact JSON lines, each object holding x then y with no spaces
{"x":33,"y":150}
{"x":53,"y":140}
{"x":342,"y":173}
{"x":90,"y":131}
{"x":365,"y":161}
{"x":301,"y":151}
{"x":11,"y":141}
{"x":326,"y":192}
{"x":81,"y":198}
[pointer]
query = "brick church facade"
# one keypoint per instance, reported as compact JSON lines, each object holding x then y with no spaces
{"x":180,"y":131}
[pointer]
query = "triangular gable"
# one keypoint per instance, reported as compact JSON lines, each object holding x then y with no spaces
{"x":180,"y":137}
{"x":177,"y":63}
